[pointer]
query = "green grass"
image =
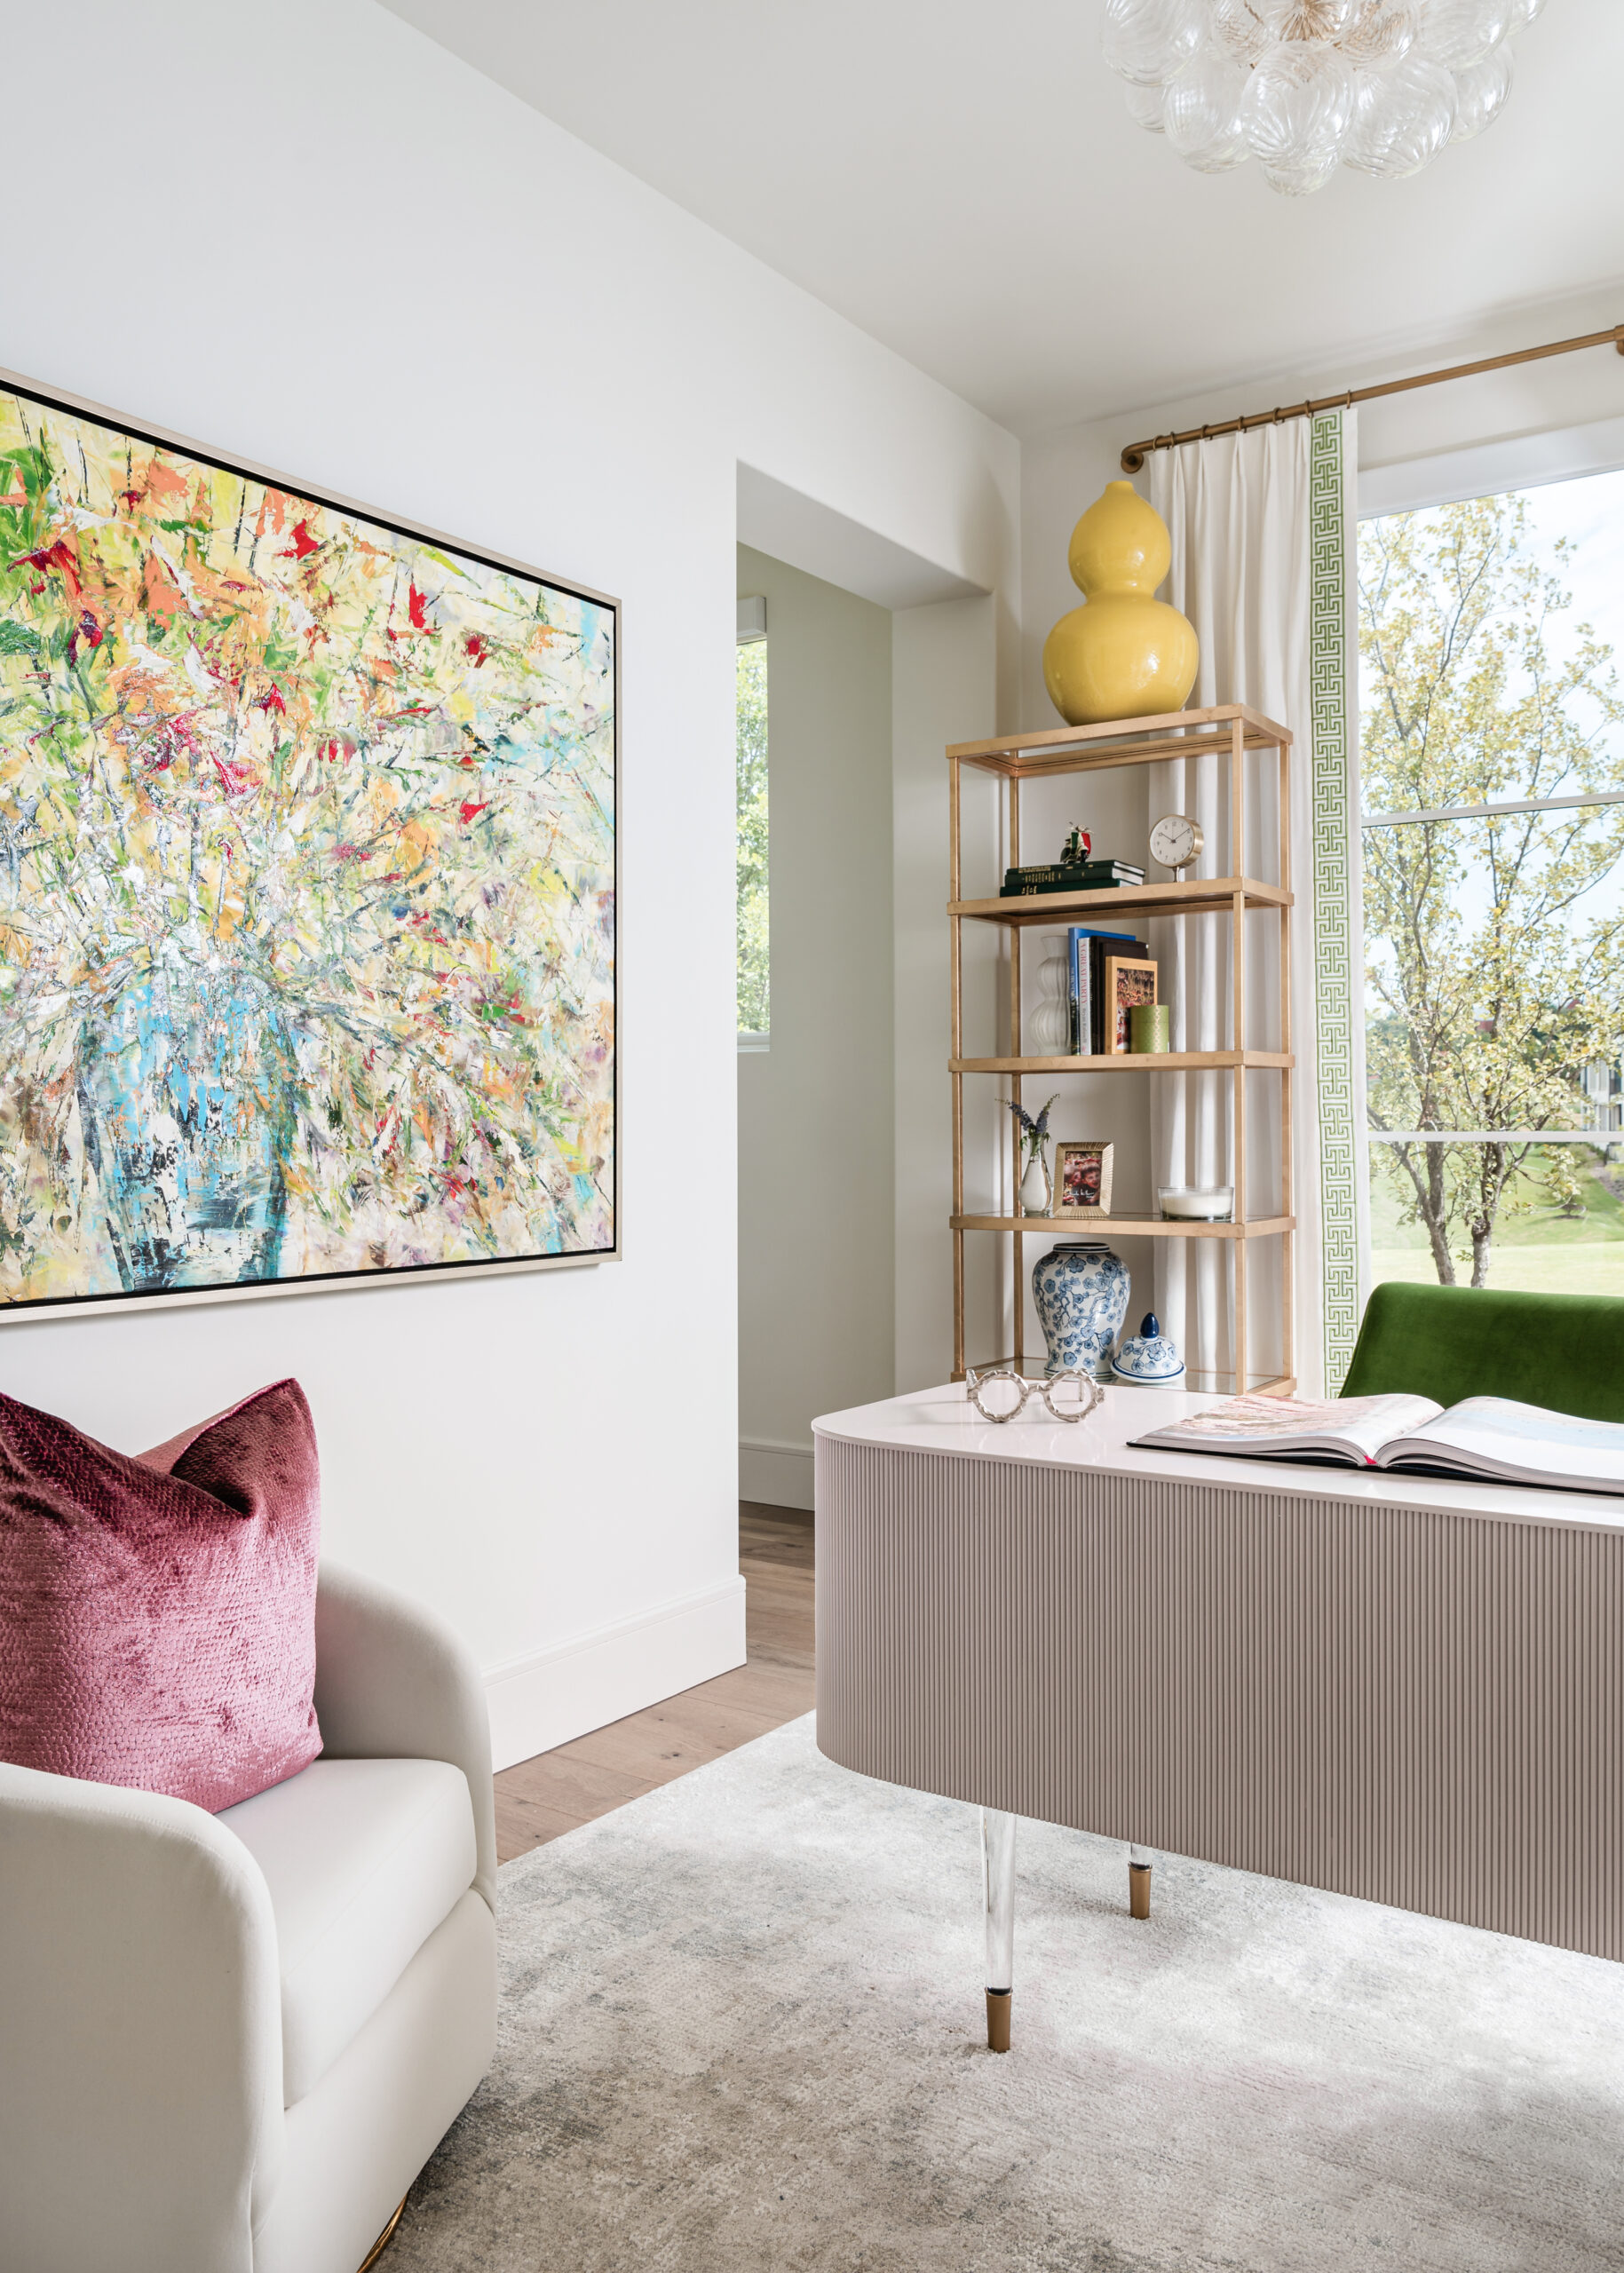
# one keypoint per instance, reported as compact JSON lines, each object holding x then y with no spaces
{"x":1526,"y":1218}
{"x":1573,"y":1268}
{"x":1536,"y":1249}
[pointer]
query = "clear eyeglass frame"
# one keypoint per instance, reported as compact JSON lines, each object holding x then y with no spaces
{"x":977,"y":1382}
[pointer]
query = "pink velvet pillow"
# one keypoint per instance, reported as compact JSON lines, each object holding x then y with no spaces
{"x":157,"y":1615}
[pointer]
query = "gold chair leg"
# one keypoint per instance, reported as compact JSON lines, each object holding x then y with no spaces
{"x":1138,"y":1889}
{"x":383,"y":2239}
{"x":998,"y":2003}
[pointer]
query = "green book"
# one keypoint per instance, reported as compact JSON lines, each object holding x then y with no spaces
{"x":1104,"y":876}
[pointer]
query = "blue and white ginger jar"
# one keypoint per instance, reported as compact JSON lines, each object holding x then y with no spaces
{"x":1080,"y":1289}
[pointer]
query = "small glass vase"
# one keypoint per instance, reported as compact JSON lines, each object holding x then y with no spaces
{"x":1037,"y":1189}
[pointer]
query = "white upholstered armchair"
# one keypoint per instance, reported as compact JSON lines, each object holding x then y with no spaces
{"x":229,"y":2043}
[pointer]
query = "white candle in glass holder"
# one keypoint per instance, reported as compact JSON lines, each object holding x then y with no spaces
{"x":1192,"y":1206}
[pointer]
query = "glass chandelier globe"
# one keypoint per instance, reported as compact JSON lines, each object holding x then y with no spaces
{"x":1304,"y":86}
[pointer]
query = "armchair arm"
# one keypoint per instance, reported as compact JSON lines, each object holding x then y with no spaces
{"x":392,"y":1683}
{"x":141,"y":2032}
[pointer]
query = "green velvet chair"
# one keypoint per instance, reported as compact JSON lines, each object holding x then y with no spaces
{"x":1565,"y":1351}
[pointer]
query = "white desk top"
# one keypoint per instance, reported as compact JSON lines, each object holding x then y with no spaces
{"x":944,"y":1420}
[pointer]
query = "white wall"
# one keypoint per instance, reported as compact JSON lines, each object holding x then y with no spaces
{"x":815,"y":1128}
{"x":307,"y":236}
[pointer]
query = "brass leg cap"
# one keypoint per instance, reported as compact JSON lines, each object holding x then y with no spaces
{"x":1138,"y":1889}
{"x":998,"y":2003}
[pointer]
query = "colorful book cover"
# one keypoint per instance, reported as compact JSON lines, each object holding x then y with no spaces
{"x":1081,"y":989}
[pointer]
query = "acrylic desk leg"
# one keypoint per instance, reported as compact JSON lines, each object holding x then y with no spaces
{"x":1138,"y":1882}
{"x":998,"y":1886}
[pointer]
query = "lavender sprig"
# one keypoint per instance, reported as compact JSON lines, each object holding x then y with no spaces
{"x":1033,"y":1132}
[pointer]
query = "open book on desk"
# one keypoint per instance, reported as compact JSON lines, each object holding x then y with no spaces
{"x":1489,"y":1438}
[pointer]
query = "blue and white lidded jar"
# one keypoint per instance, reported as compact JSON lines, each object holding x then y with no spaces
{"x":1148,"y":1357}
{"x":1080,"y":1289}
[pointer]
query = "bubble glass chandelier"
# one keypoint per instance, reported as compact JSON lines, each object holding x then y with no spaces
{"x":1305,"y":86}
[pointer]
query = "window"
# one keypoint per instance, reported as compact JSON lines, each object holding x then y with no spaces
{"x":1493,"y":733}
{"x":753,"y":991}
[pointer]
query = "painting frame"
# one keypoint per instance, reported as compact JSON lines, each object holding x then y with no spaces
{"x":1119,"y":1000}
{"x":49,"y":1309}
{"x":1072,"y":1160}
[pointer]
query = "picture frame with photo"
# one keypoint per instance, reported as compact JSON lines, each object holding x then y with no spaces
{"x":1082,"y":1178}
{"x":1130,"y":985}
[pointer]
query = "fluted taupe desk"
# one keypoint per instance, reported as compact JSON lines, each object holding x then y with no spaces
{"x":1403,"y":1689}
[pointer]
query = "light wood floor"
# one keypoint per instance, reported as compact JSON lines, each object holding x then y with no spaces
{"x":541,"y":1798}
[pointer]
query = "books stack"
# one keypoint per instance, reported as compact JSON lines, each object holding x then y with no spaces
{"x":1086,"y":984}
{"x":1070,"y":876}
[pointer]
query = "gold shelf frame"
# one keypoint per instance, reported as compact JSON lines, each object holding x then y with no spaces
{"x":1227,"y":731}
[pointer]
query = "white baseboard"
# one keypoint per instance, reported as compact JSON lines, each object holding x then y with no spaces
{"x":780,"y":1476}
{"x":538,"y":1701}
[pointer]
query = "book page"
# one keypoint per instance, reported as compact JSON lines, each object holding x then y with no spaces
{"x":1497,"y":1436}
{"x":1282,"y":1424}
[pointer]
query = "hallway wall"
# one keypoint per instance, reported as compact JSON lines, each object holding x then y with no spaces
{"x":816,"y":1305}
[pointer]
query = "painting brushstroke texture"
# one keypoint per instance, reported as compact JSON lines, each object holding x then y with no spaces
{"x":306,"y":885}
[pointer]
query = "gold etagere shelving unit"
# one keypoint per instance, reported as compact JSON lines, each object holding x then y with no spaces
{"x":1227,"y":731}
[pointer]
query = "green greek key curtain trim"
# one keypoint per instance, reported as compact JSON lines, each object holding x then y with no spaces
{"x":1335,"y":900}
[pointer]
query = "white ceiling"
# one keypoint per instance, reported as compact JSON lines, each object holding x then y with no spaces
{"x":963,"y":182}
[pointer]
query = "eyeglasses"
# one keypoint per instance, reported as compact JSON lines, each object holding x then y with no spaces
{"x":998,"y":1392}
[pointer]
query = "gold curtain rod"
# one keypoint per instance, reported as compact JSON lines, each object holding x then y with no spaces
{"x":1135,"y":454}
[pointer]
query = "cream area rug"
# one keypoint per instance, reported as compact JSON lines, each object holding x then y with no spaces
{"x":742,"y":2028}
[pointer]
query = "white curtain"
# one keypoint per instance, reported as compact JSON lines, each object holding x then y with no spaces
{"x":1262,"y":527}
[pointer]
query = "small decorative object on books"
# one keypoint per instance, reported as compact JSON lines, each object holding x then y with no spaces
{"x":1084,"y":1175}
{"x":1491,"y":1438}
{"x":1036,"y":1192}
{"x":1179,"y":1203}
{"x":1149,"y":1357}
{"x":1128,"y":984}
{"x":1176,"y":842}
{"x":1080,"y":1290}
{"x":1076,"y":870}
{"x":1125,"y":654}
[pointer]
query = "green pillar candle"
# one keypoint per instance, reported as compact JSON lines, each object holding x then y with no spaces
{"x":1148,"y":1027}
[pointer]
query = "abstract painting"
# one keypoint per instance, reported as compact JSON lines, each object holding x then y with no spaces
{"x":307,"y":943}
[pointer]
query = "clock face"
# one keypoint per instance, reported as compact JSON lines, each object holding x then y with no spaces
{"x":1176,"y":841}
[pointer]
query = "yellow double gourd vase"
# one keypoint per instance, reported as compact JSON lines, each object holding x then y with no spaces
{"x":1125,"y":654}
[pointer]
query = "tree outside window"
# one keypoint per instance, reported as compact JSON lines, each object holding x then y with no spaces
{"x":753,"y":991}
{"x":1494,"y":882}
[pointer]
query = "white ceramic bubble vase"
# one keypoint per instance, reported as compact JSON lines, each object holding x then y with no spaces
{"x":1048,"y":1025}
